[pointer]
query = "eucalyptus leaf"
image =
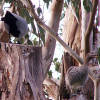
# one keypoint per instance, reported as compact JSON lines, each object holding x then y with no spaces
{"x":21,"y":41}
{"x":77,"y":12}
{"x":87,"y":5}
{"x":55,"y":59}
{"x":39,"y":11}
{"x":26,"y":36}
{"x":63,"y":15}
{"x":24,"y":13}
{"x":50,"y":73}
{"x":42,"y":35}
{"x":57,"y":66}
{"x":47,"y":2}
{"x":35,"y":42}
{"x":29,"y":42}
{"x":33,"y":26}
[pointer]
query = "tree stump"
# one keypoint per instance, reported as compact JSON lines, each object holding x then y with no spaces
{"x":21,"y":74}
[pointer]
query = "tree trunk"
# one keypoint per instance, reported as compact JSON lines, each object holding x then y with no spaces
{"x":53,"y":23}
{"x":20,"y":72}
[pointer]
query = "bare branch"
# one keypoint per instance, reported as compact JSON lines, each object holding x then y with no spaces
{"x":90,"y":25}
{"x":83,"y":29}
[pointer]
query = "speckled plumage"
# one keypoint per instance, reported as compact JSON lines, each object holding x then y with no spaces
{"x":76,"y":76}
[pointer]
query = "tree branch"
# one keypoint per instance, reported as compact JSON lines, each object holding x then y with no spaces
{"x":90,"y":25}
{"x":52,"y":33}
{"x":83,"y":29}
{"x":48,"y":50}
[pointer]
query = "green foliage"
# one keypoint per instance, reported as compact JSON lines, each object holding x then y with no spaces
{"x":24,"y":13}
{"x":35,"y":42}
{"x":63,"y":15}
{"x":0,"y":1}
{"x":99,"y":55}
{"x":9,"y":1}
{"x":39,"y":11}
{"x":57,"y":64}
{"x":41,"y":33}
{"x":55,"y":60}
{"x":21,"y":41}
{"x":33,"y":26}
{"x":50,"y":74}
{"x":87,"y":5}
{"x":30,"y":20}
{"x":26,"y":36}
{"x":75,"y":4}
{"x":29,"y":42}
{"x":47,"y":2}
{"x":67,"y":1}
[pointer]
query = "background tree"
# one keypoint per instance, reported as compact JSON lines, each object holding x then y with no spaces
{"x":24,"y":69}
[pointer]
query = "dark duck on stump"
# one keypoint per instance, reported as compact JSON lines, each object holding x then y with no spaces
{"x":15,"y":25}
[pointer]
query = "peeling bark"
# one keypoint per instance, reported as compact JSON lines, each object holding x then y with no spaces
{"x":21,"y":71}
{"x":70,"y":27}
{"x":71,"y":32}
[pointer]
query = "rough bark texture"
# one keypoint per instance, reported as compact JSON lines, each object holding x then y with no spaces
{"x":20,"y":72}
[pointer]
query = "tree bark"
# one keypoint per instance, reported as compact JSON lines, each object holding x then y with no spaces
{"x":71,"y":32}
{"x":53,"y":23}
{"x":90,"y":26}
{"x":21,"y":72}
